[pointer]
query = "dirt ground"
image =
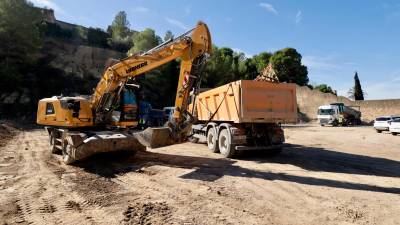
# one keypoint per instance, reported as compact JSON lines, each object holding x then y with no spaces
{"x":325,"y":175}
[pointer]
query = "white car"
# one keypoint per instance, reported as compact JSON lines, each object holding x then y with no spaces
{"x":394,"y":126}
{"x":382,"y":123}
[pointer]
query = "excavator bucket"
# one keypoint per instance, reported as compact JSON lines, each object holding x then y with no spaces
{"x":155,"y":137}
{"x":83,"y":145}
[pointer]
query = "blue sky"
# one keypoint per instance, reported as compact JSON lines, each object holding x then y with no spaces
{"x":336,"y":38}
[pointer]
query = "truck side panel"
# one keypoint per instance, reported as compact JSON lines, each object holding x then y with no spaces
{"x":250,"y":102}
{"x":268,"y":102}
{"x":226,"y":97}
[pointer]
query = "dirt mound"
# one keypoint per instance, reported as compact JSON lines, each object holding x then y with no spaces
{"x":6,"y":133}
{"x":147,"y":213}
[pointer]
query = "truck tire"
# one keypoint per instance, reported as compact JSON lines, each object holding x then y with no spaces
{"x":53,"y":135}
{"x":394,"y":133}
{"x":212,"y":140}
{"x":225,"y":146}
{"x":67,"y":158}
{"x":378,"y":131}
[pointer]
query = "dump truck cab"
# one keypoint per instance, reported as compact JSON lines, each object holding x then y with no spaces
{"x":328,"y":115}
{"x":339,"y":114}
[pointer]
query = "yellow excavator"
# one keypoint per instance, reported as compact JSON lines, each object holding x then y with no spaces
{"x":81,"y":126}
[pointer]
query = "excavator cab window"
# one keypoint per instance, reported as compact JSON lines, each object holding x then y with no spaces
{"x":49,"y":108}
{"x":75,"y":106}
{"x":128,"y":106}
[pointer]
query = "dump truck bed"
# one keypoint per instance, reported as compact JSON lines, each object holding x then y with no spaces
{"x":247,"y":101}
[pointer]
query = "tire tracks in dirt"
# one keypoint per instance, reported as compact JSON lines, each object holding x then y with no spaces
{"x":41,"y":197}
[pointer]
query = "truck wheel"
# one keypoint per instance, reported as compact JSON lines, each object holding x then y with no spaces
{"x":66,"y":157}
{"x":53,"y":136}
{"x":379,"y":131}
{"x":394,"y":133}
{"x":212,"y":140}
{"x":225,"y":146}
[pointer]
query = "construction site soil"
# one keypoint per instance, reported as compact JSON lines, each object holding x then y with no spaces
{"x":325,"y":175}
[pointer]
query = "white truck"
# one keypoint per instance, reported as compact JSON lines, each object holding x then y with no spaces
{"x":338,"y":114}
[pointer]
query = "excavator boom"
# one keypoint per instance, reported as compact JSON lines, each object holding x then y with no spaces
{"x":190,"y":49}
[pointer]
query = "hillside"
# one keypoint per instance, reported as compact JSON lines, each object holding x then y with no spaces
{"x":68,"y":62}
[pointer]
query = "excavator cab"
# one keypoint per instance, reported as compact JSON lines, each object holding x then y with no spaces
{"x":125,"y":113}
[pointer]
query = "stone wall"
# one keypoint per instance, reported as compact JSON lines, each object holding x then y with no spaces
{"x":308,"y":101}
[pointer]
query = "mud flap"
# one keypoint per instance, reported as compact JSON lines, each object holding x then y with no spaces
{"x":81,"y":145}
{"x":155,"y":137}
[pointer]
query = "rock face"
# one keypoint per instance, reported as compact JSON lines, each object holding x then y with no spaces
{"x":71,"y":56}
{"x":65,"y":63}
{"x":80,"y":60}
{"x":76,"y":61}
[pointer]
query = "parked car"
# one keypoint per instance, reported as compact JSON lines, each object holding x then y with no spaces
{"x":382,"y":123}
{"x":394,"y":126}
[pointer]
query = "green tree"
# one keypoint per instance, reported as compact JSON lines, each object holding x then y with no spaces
{"x":287,"y":64}
{"x":19,"y":41}
{"x":324,"y":88}
{"x":358,"y":92}
{"x":144,"y":41}
{"x":168,"y":36}
{"x":80,"y":33}
{"x":261,"y":60}
{"x":248,"y":69}
{"x":120,"y":33}
{"x":120,"y":26}
{"x":226,"y":65}
{"x":159,"y":85}
{"x":97,"y":37}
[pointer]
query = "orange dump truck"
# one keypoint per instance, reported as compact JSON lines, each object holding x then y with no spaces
{"x":244,"y":115}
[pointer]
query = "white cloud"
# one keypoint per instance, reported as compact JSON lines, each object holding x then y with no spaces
{"x":140,"y":9}
{"x":299,"y":17}
{"x":269,"y":7}
{"x":48,"y":4}
{"x":176,"y":23}
{"x":319,"y":63}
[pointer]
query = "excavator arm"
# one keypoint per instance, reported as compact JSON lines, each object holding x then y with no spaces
{"x":192,"y":48}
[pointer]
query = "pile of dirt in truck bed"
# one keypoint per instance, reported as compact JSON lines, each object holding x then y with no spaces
{"x":6,"y":133}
